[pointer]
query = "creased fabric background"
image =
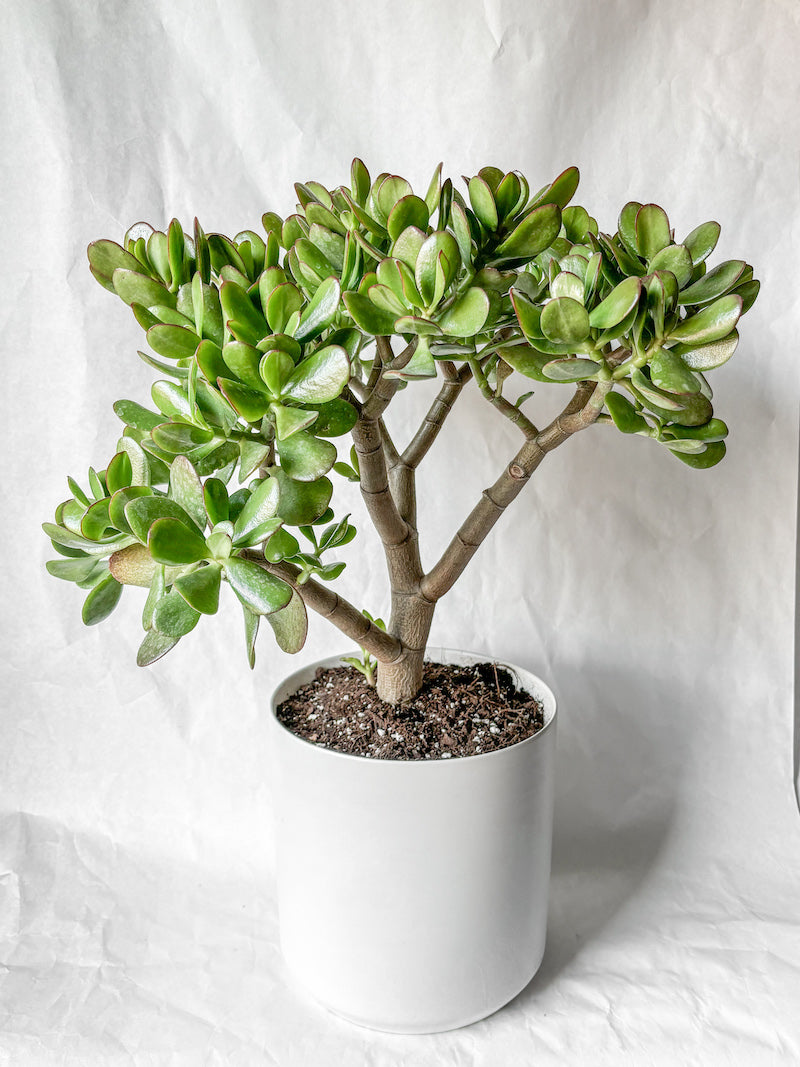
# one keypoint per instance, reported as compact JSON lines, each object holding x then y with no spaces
{"x":137,"y":923}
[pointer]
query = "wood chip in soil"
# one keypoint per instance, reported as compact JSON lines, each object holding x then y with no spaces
{"x":459,"y":711}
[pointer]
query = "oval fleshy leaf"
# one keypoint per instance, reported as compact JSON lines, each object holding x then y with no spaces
{"x":533,"y":235}
{"x":565,"y":321}
{"x":677,"y":260}
{"x":173,"y":616}
{"x":185,"y":489}
{"x":714,"y":284}
{"x":154,"y":646}
{"x":617,"y":305}
{"x":200,"y":588}
{"x":571,"y":370}
{"x":101,"y":601}
{"x":107,"y":256}
{"x":652,"y":230}
{"x":483,"y":203}
{"x":173,"y":542}
{"x":668,"y":371}
{"x":702,"y":241}
{"x":258,"y":590}
{"x":368,"y":316}
{"x":305,"y":457}
{"x":467,"y":316}
{"x":626,"y":418}
{"x":711,"y":324}
{"x":290,"y":624}
{"x":262,"y":504}
{"x":320,"y":377}
{"x":320,"y":312}
{"x":136,"y":288}
{"x":709,"y":356}
{"x":302,"y":502}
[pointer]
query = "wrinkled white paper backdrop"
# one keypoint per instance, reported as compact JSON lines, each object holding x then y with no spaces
{"x":138,"y":923}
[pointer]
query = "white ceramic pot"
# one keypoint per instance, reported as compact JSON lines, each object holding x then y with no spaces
{"x":413,"y":893}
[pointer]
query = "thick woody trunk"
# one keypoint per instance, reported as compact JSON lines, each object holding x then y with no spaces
{"x":410,"y":622}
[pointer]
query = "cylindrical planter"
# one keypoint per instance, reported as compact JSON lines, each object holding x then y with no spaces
{"x":412,"y":894}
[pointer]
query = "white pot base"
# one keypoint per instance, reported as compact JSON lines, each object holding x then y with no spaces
{"x":413,"y":893}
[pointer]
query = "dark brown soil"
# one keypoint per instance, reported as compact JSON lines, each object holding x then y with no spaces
{"x":460,"y":711}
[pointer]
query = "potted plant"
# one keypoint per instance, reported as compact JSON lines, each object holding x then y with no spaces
{"x":412,"y":890}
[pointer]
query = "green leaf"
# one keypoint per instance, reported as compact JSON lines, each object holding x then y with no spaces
{"x":668,"y":371}
{"x":142,"y":511}
{"x":262,"y":504}
{"x":421,"y":364}
{"x":429,"y":263}
{"x":320,"y":377}
{"x":251,"y":621}
{"x":305,"y":457}
{"x":215,"y":497}
{"x":136,"y":288}
{"x":652,"y":230}
{"x":258,"y":590}
{"x":171,"y":541}
{"x":626,"y":417}
{"x":95,"y":522}
{"x":171,"y":400}
{"x":107,"y":256}
{"x":702,"y":241}
{"x":133,"y":414}
{"x":239,"y":308}
{"x":289,"y":421}
{"x":320,"y":312}
{"x":217,"y":459}
{"x":561,"y":190}
{"x":528,"y":362}
{"x":119,"y":473}
{"x":244,"y":360}
{"x":280,"y":546}
{"x":116,"y":505}
{"x":101,"y":601}
{"x":714,"y":430}
{"x":565,"y":321}
{"x":413,"y":324}
{"x":677,"y":260}
{"x":335,"y":418}
{"x":249,"y":403}
{"x":283,"y":302}
{"x":709,"y":458}
{"x":708,"y":356}
{"x":67,"y":539}
{"x":406,"y":247}
{"x":483,"y":203}
{"x":251,"y":456}
{"x":533,"y":235}
{"x":275,"y":368}
{"x":714,"y":284}
{"x":72,"y":570}
{"x":154,"y":646}
{"x":180,"y":437}
{"x":467,"y":316}
{"x":627,"y":226}
{"x":302,"y":502}
{"x":711,"y":324}
{"x":567,"y":284}
{"x":617,"y":305}
{"x":571,"y":370}
{"x":290,"y":624}
{"x":185,"y":489}
{"x":174,"y":616}
{"x":408,"y":211}
{"x":368,"y":316}
{"x":200,"y":588}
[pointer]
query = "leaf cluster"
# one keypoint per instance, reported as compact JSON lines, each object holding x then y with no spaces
{"x":265,"y":341}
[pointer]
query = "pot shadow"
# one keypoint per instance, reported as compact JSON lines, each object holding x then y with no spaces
{"x":618,"y":775}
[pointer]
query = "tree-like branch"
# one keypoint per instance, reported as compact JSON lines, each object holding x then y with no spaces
{"x":429,"y":429}
{"x":385,"y":388}
{"x":374,"y":477}
{"x":499,"y":402}
{"x":325,"y":602}
{"x":582,"y":410}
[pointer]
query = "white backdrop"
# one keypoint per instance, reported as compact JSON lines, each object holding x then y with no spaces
{"x":137,"y":922}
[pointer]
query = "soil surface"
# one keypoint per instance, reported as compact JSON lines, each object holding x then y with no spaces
{"x":459,"y":711}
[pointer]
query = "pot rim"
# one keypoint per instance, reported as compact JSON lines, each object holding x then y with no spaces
{"x":431,"y":655}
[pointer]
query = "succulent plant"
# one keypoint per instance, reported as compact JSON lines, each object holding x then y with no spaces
{"x":273,"y":344}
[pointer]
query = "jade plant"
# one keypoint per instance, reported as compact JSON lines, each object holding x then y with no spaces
{"x":272,"y":344}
